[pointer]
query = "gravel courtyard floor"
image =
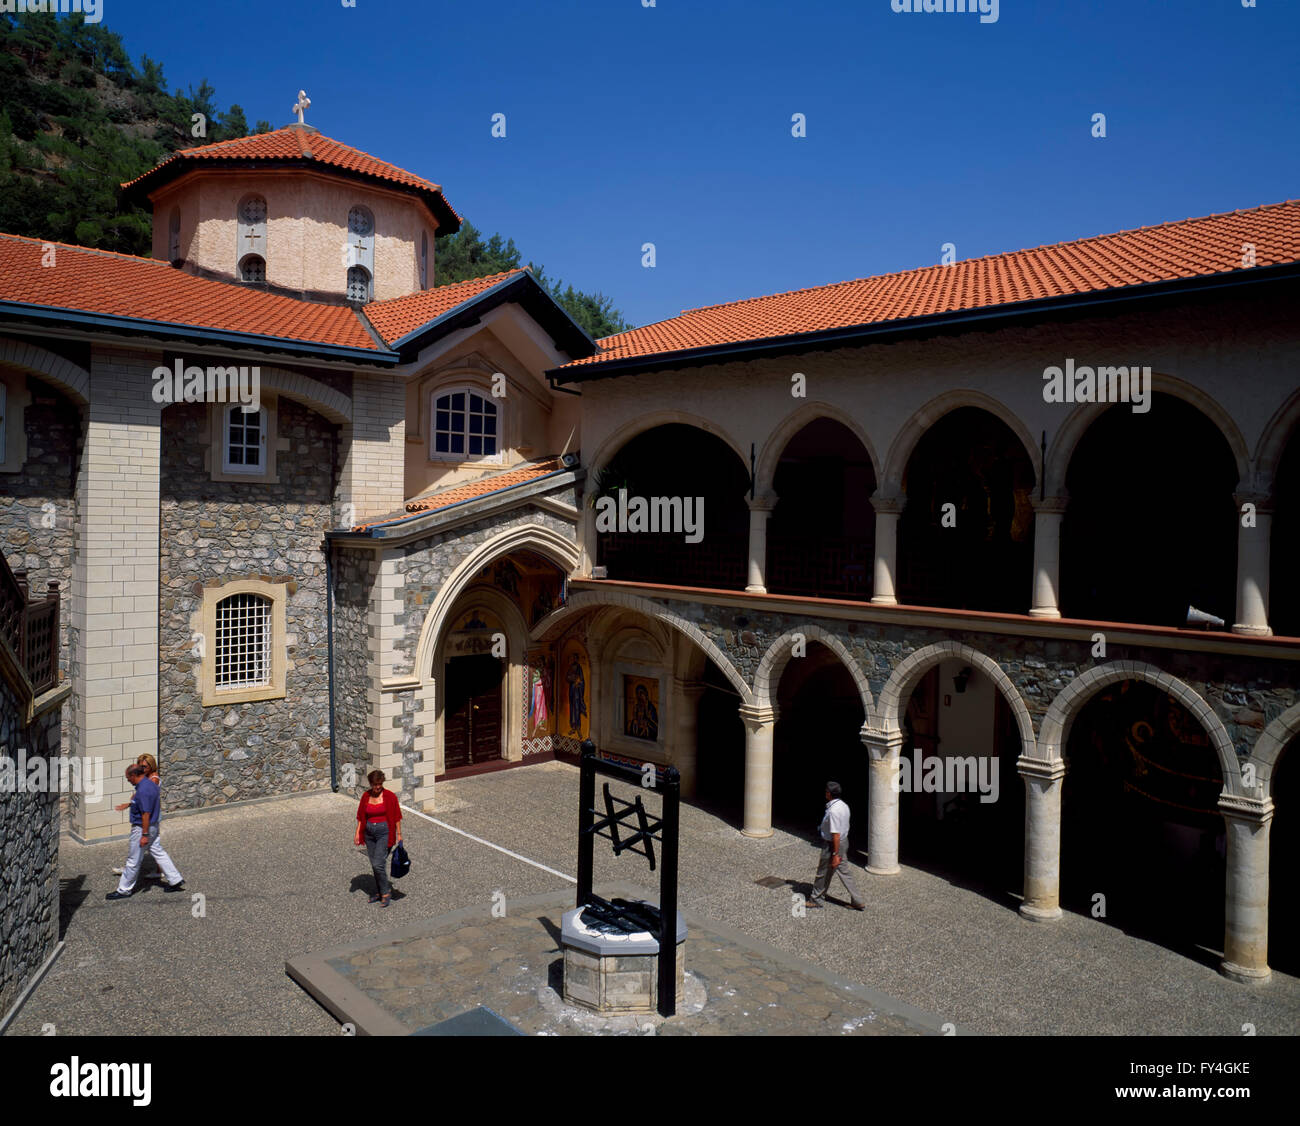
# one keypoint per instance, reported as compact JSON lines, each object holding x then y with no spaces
{"x":281,"y":879}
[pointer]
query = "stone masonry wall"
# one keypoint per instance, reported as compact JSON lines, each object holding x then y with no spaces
{"x":29,"y":855}
{"x":213,"y":533}
{"x":354,"y":580}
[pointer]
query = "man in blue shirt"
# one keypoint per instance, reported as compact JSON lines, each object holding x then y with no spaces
{"x":146,"y":814}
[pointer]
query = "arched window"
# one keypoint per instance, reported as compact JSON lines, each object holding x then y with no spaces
{"x":359,"y":284}
{"x":243,"y":441}
{"x":424,"y":260}
{"x":252,"y":234}
{"x":466,"y":426}
{"x":361,"y":254}
{"x":243,"y":643}
{"x":174,"y":236}
{"x":252,"y":268}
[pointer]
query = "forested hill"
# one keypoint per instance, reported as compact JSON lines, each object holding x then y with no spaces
{"x":78,"y":118}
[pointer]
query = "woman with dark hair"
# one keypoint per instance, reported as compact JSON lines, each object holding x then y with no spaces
{"x":379,"y":829}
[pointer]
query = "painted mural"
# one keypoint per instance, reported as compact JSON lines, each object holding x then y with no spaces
{"x":539,"y":697}
{"x":641,"y":707}
{"x":573,"y":690}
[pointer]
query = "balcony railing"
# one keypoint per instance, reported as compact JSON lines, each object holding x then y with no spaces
{"x":819,"y":566}
{"x":31,"y":629}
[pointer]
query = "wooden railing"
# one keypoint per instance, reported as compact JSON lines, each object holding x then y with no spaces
{"x":31,"y":629}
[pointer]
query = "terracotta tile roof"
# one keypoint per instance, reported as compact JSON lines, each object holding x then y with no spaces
{"x":293,"y":144}
{"x":1184,"y":249}
{"x":399,"y":316}
{"x":97,"y":281}
{"x":458,"y":494}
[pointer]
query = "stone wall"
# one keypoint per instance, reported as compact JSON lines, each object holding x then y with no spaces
{"x":29,"y":855}
{"x":213,"y":533}
{"x":354,"y":580}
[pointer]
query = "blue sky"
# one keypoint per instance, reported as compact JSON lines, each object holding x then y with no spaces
{"x":672,"y":124}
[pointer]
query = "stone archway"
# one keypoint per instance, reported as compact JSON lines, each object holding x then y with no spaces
{"x":779,"y":654}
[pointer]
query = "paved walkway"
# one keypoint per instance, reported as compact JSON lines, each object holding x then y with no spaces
{"x":281,"y":879}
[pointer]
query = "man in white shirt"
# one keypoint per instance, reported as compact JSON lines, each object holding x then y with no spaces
{"x":835,"y":847}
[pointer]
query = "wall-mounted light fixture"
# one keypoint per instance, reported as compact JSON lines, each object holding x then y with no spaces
{"x":959,"y":681}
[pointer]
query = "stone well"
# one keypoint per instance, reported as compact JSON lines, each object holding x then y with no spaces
{"x":611,"y":971}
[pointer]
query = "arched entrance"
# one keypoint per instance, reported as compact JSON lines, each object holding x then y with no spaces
{"x":678,"y":464}
{"x":961,"y":805}
{"x":818,"y":738}
{"x":1284,"y":864}
{"x":1151,"y":523}
{"x":719,"y":747}
{"x":966,"y":536}
{"x":821,"y":535}
{"x":1140,"y":826}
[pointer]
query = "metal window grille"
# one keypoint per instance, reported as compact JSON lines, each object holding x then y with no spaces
{"x":252,"y":269}
{"x":243,"y":642}
{"x":360,"y":222}
{"x":466,"y":424}
{"x":254,"y":210}
{"x":243,"y":439}
{"x":358,"y":284}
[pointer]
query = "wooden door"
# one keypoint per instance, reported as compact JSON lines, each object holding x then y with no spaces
{"x":472,"y":721}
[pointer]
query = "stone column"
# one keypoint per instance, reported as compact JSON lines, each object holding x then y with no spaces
{"x":1048,"y":514}
{"x":1245,"y":937}
{"x":1043,"y":782}
{"x":760,"y":508}
{"x":882,"y":816}
{"x":684,"y":748}
{"x":115,"y":600}
{"x":1253,"y":564}
{"x":883,"y":588}
{"x":760,"y":723}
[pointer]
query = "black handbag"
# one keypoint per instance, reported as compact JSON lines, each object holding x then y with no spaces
{"x":401,"y":862}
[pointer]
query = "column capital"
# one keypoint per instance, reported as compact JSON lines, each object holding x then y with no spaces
{"x":757,"y":716}
{"x":1050,"y":506}
{"x":1262,"y":501}
{"x":763,"y":502}
{"x":890,"y":505}
{"x":1257,"y":811}
{"x":1050,"y":769}
{"x":881,"y":743}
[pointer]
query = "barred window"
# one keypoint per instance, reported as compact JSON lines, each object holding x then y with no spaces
{"x":252,"y":269}
{"x":464,"y":425}
{"x":251,"y":235}
{"x":242,"y":651}
{"x":358,"y":284}
{"x":245,"y":440}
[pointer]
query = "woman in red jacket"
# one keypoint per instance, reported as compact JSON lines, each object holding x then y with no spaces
{"x":379,"y":828}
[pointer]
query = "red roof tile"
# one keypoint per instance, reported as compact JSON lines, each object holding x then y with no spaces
{"x":399,"y":316}
{"x":293,"y":143}
{"x":1184,"y":249}
{"x":97,"y":281}
{"x":492,"y":483}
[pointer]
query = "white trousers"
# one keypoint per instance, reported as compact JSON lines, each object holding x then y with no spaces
{"x":135,"y":857}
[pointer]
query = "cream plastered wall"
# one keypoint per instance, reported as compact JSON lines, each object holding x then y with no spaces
{"x":307,"y":220}
{"x":528,"y":425}
{"x":1239,"y":359}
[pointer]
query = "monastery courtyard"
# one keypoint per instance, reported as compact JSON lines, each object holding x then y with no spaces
{"x":281,"y":879}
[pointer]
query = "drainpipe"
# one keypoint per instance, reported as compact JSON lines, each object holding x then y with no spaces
{"x":329,"y":611}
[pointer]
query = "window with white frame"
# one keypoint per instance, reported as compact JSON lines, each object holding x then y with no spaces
{"x":243,"y":642}
{"x":243,"y":440}
{"x":465,"y":426}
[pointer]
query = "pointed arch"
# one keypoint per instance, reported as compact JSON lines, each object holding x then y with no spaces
{"x":911,"y":432}
{"x":1273,"y":442}
{"x":622,"y":435}
{"x":1055,"y":728}
{"x":778,"y":655}
{"x":780,"y":437}
{"x":587,"y":599}
{"x":898,"y":689}
{"x":1268,"y":748}
{"x":74,"y":381}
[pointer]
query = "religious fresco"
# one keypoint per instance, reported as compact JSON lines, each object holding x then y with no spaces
{"x":573,"y":690}
{"x":641,"y":707}
{"x":472,"y":633}
{"x":539,"y":694}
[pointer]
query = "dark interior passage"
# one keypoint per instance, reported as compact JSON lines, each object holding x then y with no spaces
{"x":1284,"y":865}
{"x":1139,"y":818}
{"x":472,"y":714}
{"x":1284,"y":589}
{"x":720,"y":748}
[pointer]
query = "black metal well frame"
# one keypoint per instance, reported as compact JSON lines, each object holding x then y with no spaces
{"x":664,"y":829}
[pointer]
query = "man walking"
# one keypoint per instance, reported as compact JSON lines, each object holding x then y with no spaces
{"x":146,"y":815}
{"x":835,"y":847}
